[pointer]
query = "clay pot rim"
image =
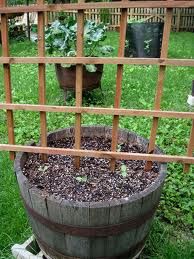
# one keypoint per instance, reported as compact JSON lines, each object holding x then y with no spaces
{"x":73,"y":66}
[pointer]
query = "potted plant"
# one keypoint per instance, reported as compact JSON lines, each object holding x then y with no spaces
{"x":60,"y":38}
{"x":143,"y":39}
{"x":90,"y":212}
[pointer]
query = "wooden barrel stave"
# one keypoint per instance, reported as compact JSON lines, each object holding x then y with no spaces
{"x":54,"y":213}
{"x":88,"y":214}
{"x":39,"y":204}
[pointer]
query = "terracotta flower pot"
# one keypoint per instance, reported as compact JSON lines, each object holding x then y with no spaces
{"x":66,"y":77}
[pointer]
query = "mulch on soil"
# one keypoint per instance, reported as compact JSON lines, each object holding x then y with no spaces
{"x":93,"y":181}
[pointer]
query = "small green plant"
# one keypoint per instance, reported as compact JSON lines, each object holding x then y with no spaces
{"x":118,"y":148}
{"x":34,"y":28}
{"x":43,"y":168}
{"x":147,"y":45}
{"x":61,"y":37}
{"x":82,"y":179}
{"x":123,"y":170}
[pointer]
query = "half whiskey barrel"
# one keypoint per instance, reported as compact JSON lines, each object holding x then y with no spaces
{"x":114,"y":229}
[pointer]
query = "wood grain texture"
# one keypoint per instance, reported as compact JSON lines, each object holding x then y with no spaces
{"x":96,"y":110}
{"x":7,"y":77}
{"x":79,"y":79}
{"x":98,"y":154}
{"x":114,"y":218}
{"x":97,"y":60}
{"x":42,"y":81}
{"x":98,"y":216}
{"x":24,"y":186}
{"x":24,"y":191}
{"x":39,"y":204}
{"x":127,"y":210}
{"x":76,"y":214}
{"x":152,"y":198}
{"x":54,"y":214}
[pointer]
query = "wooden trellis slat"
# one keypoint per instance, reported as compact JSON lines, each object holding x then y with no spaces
{"x":100,"y":111}
{"x":161,"y":76}
{"x":42,"y":81}
{"x":79,"y":80}
{"x":99,"y":5}
{"x":97,"y":60}
{"x":98,"y":154}
{"x":123,"y":27}
{"x":7,"y":77}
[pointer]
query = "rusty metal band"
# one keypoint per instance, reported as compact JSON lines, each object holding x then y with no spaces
{"x":99,"y":231}
{"x":131,"y":252}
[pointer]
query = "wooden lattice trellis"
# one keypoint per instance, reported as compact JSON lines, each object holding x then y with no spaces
{"x":182,"y":17}
{"x":41,"y":60}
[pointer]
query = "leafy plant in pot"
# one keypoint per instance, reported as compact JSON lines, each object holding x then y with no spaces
{"x":60,"y":38}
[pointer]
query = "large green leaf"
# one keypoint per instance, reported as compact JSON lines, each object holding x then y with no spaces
{"x":91,"y":68}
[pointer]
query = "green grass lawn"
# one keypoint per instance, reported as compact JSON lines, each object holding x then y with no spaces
{"x":171,"y":235}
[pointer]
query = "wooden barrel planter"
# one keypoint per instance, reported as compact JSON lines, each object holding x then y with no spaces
{"x":67,"y":229}
{"x":66,"y":77}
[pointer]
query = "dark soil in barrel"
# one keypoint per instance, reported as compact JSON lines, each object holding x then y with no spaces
{"x":93,"y":181}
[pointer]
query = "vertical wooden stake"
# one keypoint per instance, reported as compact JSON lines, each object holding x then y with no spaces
{"x":79,"y":81}
{"x":123,"y":27}
{"x":159,"y":90}
{"x":7,"y":77}
{"x":42,"y":81}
